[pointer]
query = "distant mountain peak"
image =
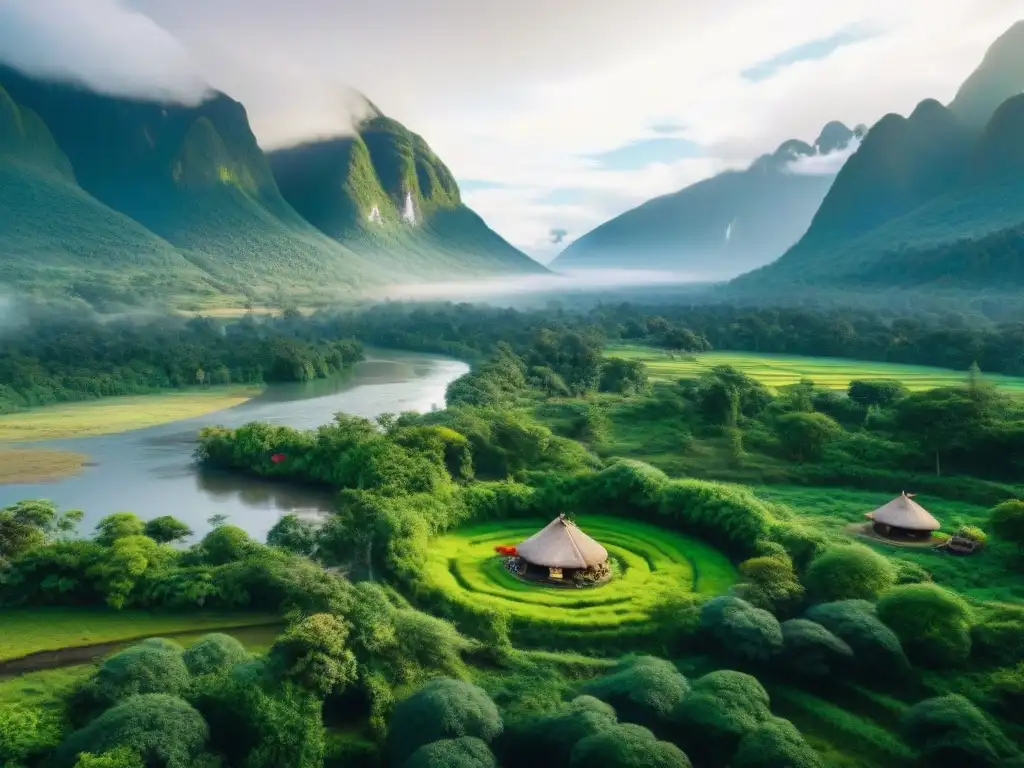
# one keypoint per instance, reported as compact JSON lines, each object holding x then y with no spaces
{"x":834,"y":136}
{"x":999,"y":76}
{"x":930,"y":109}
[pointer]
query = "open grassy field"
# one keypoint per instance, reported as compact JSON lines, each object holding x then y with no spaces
{"x":51,"y":629}
{"x":33,"y":465}
{"x":118,"y":414}
{"x":992,"y":574}
{"x":651,"y":566}
{"x":779,"y":370}
{"x":48,"y":687}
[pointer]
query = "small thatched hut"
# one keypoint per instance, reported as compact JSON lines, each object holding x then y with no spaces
{"x":560,"y":551}
{"x":903,"y":519}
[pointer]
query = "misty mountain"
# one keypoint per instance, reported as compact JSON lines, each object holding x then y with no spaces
{"x":383,"y":189}
{"x":721,"y":226}
{"x":57,"y":239}
{"x":925,"y":200}
{"x":999,"y":77}
{"x":189,"y":186}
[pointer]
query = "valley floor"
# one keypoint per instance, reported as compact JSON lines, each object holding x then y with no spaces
{"x":779,"y":370}
{"x":118,"y":414}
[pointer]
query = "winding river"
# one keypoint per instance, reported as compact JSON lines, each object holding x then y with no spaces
{"x":151,"y":472}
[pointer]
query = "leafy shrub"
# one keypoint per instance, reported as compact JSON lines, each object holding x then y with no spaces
{"x":214,"y":653}
{"x":775,"y":743}
{"x":771,"y":583}
{"x":804,"y":436}
{"x":497,"y":501}
{"x":642,"y":690}
{"x":722,"y":708}
{"x":25,"y":732}
{"x":547,"y":742}
{"x":141,"y":669}
{"x":854,"y":622}
{"x":909,"y":572}
{"x":950,"y":730}
{"x":463,"y":752}
{"x":999,"y":637}
{"x":810,"y":650}
{"x":933,"y":624}
{"x":740,"y":630}
{"x":312,"y":654}
{"x":627,"y":484}
{"x":442,"y":709}
{"x":115,"y":758}
{"x":626,"y":746}
{"x":165,"y":730}
{"x":1007,"y":522}
{"x":852,"y":572}
{"x":732,"y":518}
{"x":972,"y":533}
{"x":165,"y":529}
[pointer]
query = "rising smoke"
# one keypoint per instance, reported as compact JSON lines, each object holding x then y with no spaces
{"x":101,"y":44}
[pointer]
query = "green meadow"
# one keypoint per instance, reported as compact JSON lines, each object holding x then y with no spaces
{"x":54,"y":629}
{"x":651,"y":566}
{"x":776,"y":371}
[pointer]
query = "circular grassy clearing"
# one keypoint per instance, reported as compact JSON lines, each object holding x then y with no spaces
{"x":651,"y":566}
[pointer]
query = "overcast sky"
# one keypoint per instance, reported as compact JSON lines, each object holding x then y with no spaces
{"x":554,"y":115}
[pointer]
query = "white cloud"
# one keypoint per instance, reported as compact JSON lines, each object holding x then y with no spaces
{"x":99,"y":43}
{"x":823,"y":165}
{"x":520,"y":91}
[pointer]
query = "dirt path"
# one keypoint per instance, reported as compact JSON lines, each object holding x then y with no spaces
{"x":83,"y":654}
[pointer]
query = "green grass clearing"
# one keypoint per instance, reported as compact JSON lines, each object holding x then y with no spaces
{"x":118,"y":414}
{"x":52,"y":629}
{"x":48,"y":687}
{"x":776,"y":371}
{"x":650,"y":565}
{"x":992,"y":574}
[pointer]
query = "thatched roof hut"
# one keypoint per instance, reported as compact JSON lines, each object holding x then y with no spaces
{"x":903,"y":517}
{"x":562,"y":545}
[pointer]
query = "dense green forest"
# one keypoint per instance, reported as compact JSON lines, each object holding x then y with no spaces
{"x":402,"y":650}
{"x":55,"y":358}
{"x":61,"y":358}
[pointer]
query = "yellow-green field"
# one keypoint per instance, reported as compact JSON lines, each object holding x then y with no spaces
{"x":51,"y":629}
{"x":651,"y":566}
{"x":779,"y":370}
{"x":118,"y":414}
{"x":35,"y":465}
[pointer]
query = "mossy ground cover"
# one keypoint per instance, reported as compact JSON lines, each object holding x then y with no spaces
{"x":118,"y":414}
{"x":651,"y":567}
{"x":51,"y":629}
{"x":779,"y":370}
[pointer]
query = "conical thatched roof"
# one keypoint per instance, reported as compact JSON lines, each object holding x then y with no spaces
{"x":904,"y":512}
{"x":560,"y":544}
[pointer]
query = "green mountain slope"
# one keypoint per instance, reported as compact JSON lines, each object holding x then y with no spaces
{"x":721,"y":226}
{"x":999,"y":77}
{"x":195,"y":177}
{"x":58,"y":241}
{"x":924,"y":201}
{"x":384,"y":193}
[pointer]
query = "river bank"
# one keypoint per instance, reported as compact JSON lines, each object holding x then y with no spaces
{"x":150,"y":471}
{"x":113,"y":415}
